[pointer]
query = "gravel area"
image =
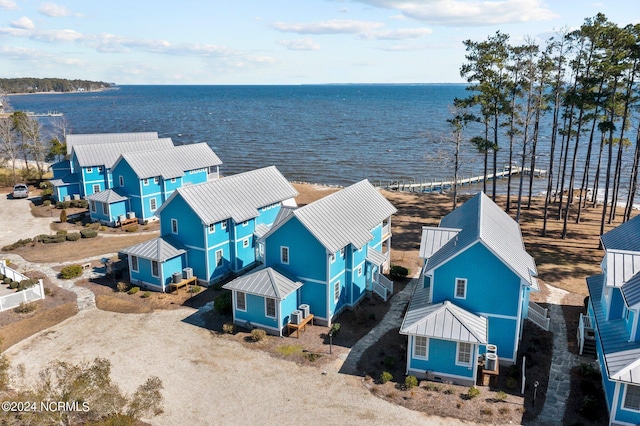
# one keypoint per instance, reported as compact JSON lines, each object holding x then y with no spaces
{"x":17,"y":222}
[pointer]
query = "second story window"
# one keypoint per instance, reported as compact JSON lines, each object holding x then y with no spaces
{"x":174,"y":226}
{"x":121,"y":180}
{"x":284,"y":255}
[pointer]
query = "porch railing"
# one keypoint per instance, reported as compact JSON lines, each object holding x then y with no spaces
{"x":382,"y":286}
{"x":539,"y":315}
{"x":585,"y":330}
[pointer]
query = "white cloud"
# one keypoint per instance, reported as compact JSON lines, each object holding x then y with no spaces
{"x":300,"y":44}
{"x":55,"y":11}
{"x":22,"y":54}
{"x":23,"y":23}
{"x":8,"y":5}
{"x":468,"y":12}
{"x":401,"y":34}
{"x":333,"y":26}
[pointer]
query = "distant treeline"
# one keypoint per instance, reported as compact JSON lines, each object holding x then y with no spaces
{"x":36,"y":85}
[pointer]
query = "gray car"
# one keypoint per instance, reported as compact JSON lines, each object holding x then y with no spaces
{"x":20,"y":191}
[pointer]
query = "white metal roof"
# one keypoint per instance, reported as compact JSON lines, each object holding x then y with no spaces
{"x":170,"y":162}
{"x":158,"y":249}
{"x":237,"y":197}
{"x":442,"y":321}
{"x":344,"y":217}
{"x":265,"y":282}
{"x":620,"y":267}
{"x":631,"y":290}
{"x":108,"y":196}
{"x":73,"y":139}
{"x":433,"y":238}
{"x":91,"y":155}
{"x":375,"y":257}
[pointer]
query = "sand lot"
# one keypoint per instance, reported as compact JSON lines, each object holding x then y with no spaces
{"x":208,"y":380}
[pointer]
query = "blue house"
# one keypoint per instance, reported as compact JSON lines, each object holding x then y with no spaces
{"x":475,"y":269}
{"x":108,"y":207}
{"x":336,"y":246}
{"x":216,"y":222}
{"x":148,"y":178}
{"x":612,"y":319}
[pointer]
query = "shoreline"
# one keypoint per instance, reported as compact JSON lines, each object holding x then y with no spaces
{"x":61,"y":93}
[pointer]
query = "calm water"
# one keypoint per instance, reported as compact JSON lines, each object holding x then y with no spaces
{"x":333,"y":134}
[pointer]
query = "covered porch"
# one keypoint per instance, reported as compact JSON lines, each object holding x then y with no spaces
{"x":377,"y":282}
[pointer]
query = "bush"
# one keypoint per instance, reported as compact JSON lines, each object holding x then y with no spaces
{"x":228,"y":328}
{"x":63,"y":216}
{"x":385,"y":377}
{"x":24,"y":284}
{"x":473,"y":392}
{"x":195,"y":289}
{"x":51,"y":239}
{"x":7,"y":280}
{"x":71,"y":271}
{"x":335,"y":329}
{"x":588,"y":371}
{"x":122,"y":287}
{"x":20,"y":243}
{"x":61,"y":232}
{"x":589,"y":406}
{"x":88,"y":233}
{"x":146,"y":294}
{"x":73,"y":236}
{"x":501,"y":396}
{"x":222,"y":303}
{"x":410,"y":382}
{"x":132,"y":228}
{"x":14,"y":285}
{"x":258,"y":334}
{"x":398,"y":272}
{"x":25,"y":308}
{"x":133,"y":290}
{"x":46,"y":203}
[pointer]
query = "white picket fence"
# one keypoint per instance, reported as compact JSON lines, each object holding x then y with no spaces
{"x":30,"y":294}
{"x":539,"y":315}
{"x":383,"y":286}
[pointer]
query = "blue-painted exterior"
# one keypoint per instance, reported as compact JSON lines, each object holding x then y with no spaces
{"x":144,"y":276}
{"x":441,"y":361}
{"x":114,"y":210}
{"x":256,"y":315}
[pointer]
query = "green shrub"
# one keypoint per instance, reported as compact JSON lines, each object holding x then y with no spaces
{"x":51,"y":239}
{"x":20,"y":243}
{"x":131,"y":228}
{"x":88,"y":233}
{"x":145,"y":294}
{"x":133,"y":290}
{"x":588,"y":371}
{"x":501,"y":396}
{"x":61,"y":232}
{"x":228,"y":328}
{"x":7,"y":280}
{"x":73,"y":236}
{"x":589,"y":407}
{"x":24,"y":284}
{"x":258,"y":334}
{"x":449,"y":391}
{"x":1,"y":277}
{"x":398,"y":272}
{"x":14,"y":285}
{"x":335,"y":329}
{"x":71,"y":271}
{"x":222,"y":303}
{"x":385,"y":377}
{"x":311,"y":356}
{"x":63,"y":216}
{"x":431,"y":386}
{"x":473,"y":392}
{"x":25,"y":308}
{"x":195,"y":289}
{"x":46,"y":203}
{"x":410,"y":382}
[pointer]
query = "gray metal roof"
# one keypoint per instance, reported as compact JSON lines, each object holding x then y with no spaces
{"x":159,"y":249}
{"x":620,"y":267}
{"x":442,"y":321}
{"x":345,"y":217}
{"x":170,"y":162}
{"x":631,"y":290}
{"x":108,"y":196}
{"x":621,"y":357}
{"x":375,"y":257}
{"x":66,"y":180}
{"x":237,"y":197}
{"x":624,"y":237}
{"x":260,"y":230}
{"x":481,"y":220}
{"x":91,"y":155}
{"x":106,"y":138}
{"x":265,"y":282}
{"x":433,"y":238}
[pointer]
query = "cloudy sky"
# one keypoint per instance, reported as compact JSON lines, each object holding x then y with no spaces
{"x":270,"y":41}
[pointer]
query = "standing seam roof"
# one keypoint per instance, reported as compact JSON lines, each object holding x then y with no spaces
{"x":107,"y":154}
{"x":106,"y":138}
{"x":265,"y":282}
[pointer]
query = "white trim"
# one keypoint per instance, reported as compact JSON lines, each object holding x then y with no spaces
{"x":624,"y":399}
{"x":245,"y":301}
{"x":212,"y":228}
{"x":458,"y":353}
{"x":145,"y":182}
{"x":311,"y":280}
{"x":486,"y":314}
{"x":245,"y":242}
{"x":153,"y":204}
{"x":219,"y":261}
{"x":137,"y":269}
{"x":283,"y":250}
{"x":332,"y":257}
{"x":209,"y":248}
{"x":336,"y":297}
{"x":156,"y":180}
{"x":174,"y":226}
{"x":121,"y":180}
{"x":455,"y":289}
{"x":94,"y":187}
{"x":266,"y":311}
{"x":223,"y":224}
{"x":454,"y":377}
{"x":155,"y":262}
{"x":424,"y":357}
{"x":89,"y":169}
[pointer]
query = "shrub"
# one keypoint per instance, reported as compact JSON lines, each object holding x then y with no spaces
{"x":49,"y":292}
{"x":46,"y":203}
{"x":145,"y":294}
{"x":385,"y":377}
{"x":398,"y":272}
{"x":20,"y":243}
{"x":24,"y":284}
{"x":25,"y":308}
{"x":588,"y":371}
{"x":258,"y":334}
{"x":430,"y":386}
{"x":1,"y":277}
{"x":122,"y":287}
{"x":14,"y":285}
{"x":132,"y":228}
{"x":501,"y":396}
{"x":485,"y":411}
{"x":71,"y":271}
{"x":311,"y":356}
{"x":335,"y":329}
{"x":195,"y":289}
{"x":63,"y":216}
{"x":449,"y":391}
{"x":73,"y":236}
{"x":7,"y":280}
{"x":222,"y":303}
{"x":410,"y":382}
{"x":88,"y":233}
{"x":133,"y":290}
{"x":473,"y":392}
{"x":61,"y":232}
{"x":228,"y":328}
{"x":51,"y":239}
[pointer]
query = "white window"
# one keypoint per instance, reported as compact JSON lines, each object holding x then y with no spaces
{"x":145,"y":182}
{"x":284,"y":255}
{"x":336,"y":291}
{"x":173,"y":180}
{"x":359,"y":271}
{"x":89,"y":169}
{"x":134,"y":263}
{"x":99,"y":169}
{"x":105,"y":209}
{"x":154,"y":268}
{"x":342,"y":252}
{"x":121,"y":180}
{"x":245,"y":223}
{"x":632,"y":397}
{"x":270,"y":307}
{"x":218,"y":257}
{"x":212,"y":228}
{"x":223,"y":224}
{"x":420,"y":347}
{"x":152,"y":204}
{"x":245,"y":243}
{"x":96,"y":188}
{"x":461,"y":288}
{"x":93,"y":206}
{"x":464,"y":354}
{"x":333,"y":257}
{"x":174,"y":226}
{"x":241,"y":301}
{"x":156,"y":180}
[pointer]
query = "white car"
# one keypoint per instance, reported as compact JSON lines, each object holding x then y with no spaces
{"x":20,"y":191}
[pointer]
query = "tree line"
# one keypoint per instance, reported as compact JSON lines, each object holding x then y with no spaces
{"x":585,"y":84}
{"x":37,"y":85}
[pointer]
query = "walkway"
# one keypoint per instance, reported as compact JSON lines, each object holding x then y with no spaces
{"x":391,"y":320}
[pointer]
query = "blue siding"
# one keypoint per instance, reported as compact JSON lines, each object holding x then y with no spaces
{"x":268,"y":214}
{"x":288,"y":305}
{"x":315,"y":295}
{"x":151,"y":190}
{"x":441,"y":359}
{"x":170,"y":266}
{"x":256,"y":312}
{"x":131,"y":186}
{"x":377,"y":238}
{"x":114,"y":210}
{"x":93,"y":176}
{"x":61,"y":169}
{"x":617,"y":304}
{"x":144,"y":273}
{"x":623,"y":414}
{"x":195,"y":176}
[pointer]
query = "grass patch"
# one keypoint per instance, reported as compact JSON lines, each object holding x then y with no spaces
{"x":288,"y":350}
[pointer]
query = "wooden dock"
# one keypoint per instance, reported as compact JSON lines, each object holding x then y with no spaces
{"x":443,"y":185}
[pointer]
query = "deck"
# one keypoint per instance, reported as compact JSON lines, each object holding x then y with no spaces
{"x":184,"y":283}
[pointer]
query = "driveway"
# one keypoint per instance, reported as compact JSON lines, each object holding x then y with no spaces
{"x":17,"y":222}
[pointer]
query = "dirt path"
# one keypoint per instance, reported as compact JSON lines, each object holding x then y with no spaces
{"x":17,"y":222}
{"x":209,"y":380}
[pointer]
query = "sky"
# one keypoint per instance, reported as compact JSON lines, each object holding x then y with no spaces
{"x":271,"y":41}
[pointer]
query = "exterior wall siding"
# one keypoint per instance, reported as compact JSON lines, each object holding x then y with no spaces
{"x":144,"y":273}
{"x":441,"y":359}
{"x":131,"y":186}
{"x":617,"y":304}
{"x":170,"y":266}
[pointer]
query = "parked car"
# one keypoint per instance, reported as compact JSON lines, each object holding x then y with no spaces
{"x":20,"y":191}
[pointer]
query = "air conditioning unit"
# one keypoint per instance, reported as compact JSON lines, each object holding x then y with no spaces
{"x":305,"y":310}
{"x":187,"y":273}
{"x":76,"y":197}
{"x":131,"y":215}
{"x":492,"y":349}
{"x":490,"y":361}
{"x":67,"y":198}
{"x":296,"y":317}
{"x":121,"y":218}
{"x":177,"y":277}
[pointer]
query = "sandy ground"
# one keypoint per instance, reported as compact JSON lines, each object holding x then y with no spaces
{"x":17,"y":222}
{"x":208,"y":380}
